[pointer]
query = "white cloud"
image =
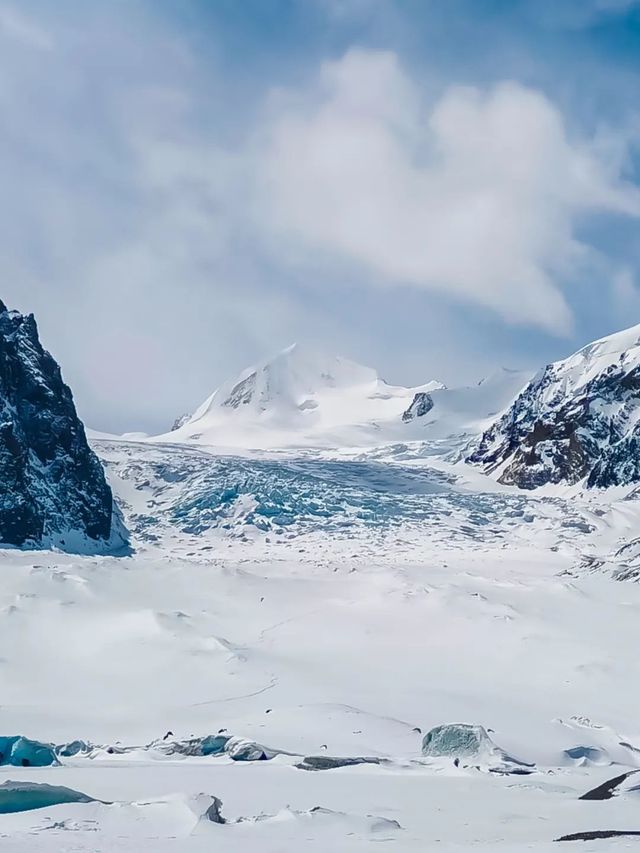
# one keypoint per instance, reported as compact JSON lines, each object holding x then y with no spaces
{"x":477,"y":196}
{"x":154,"y":213}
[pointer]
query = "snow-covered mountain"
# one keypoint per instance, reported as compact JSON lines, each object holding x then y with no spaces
{"x":300,"y":397}
{"x":578,"y":419}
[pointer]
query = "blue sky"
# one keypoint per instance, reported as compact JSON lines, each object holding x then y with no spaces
{"x":435,"y":188}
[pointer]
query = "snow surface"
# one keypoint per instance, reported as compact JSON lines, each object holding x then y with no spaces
{"x":325,"y":603}
{"x":621,"y":348}
{"x":311,"y":578}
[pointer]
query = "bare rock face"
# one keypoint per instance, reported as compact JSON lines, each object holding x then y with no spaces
{"x":51,"y":482}
{"x":421,"y":404}
{"x":180,"y":421}
{"x":577,"y":420}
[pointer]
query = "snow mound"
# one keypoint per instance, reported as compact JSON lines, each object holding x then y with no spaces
{"x":622,"y":563}
{"x":587,"y":756}
{"x":597,"y":745}
{"x":241,"y":749}
{"x":335,"y":824}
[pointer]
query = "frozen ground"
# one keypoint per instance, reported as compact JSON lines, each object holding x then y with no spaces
{"x":330,"y":605}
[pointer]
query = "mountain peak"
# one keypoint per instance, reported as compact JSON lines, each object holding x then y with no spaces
{"x":298,"y":394}
{"x":287,"y":383}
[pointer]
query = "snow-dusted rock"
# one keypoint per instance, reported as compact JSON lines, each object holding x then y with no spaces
{"x":181,"y":420}
{"x":578,"y":419}
{"x":208,"y":807}
{"x":52,"y":483}
{"x":421,"y":404}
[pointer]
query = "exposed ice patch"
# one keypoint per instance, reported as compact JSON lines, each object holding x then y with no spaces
{"x":583,"y":756}
{"x":201,"y":746}
{"x":328,"y":762}
{"x":19,"y":751}
{"x":469,"y":743}
{"x":26,"y":796}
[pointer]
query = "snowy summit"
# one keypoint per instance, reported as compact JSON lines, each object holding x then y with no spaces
{"x":299,"y":396}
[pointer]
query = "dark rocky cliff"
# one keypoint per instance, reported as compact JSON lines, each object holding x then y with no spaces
{"x":577,"y":420}
{"x":51,"y":482}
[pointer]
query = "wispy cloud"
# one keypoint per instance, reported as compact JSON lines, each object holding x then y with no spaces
{"x":477,"y":195}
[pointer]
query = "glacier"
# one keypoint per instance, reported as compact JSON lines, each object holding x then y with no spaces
{"x":293,"y":622}
{"x":195,"y":492}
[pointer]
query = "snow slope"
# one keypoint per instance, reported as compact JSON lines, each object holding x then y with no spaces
{"x":457,"y":415}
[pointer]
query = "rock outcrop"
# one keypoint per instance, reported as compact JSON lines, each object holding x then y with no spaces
{"x":51,"y":483}
{"x":577,"y":420}
{"x":180,"y":421}
{"x":421,"y":404}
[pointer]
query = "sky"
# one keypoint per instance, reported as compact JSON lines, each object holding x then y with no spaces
{"x":435,"y":188}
